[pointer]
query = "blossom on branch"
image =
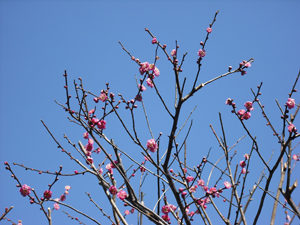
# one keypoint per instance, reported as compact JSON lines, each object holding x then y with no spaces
{"x":152,"y":145}
{"x":201,"y":53}
{"x":47,"y":194}
{"x":122,"y":195}
{"x":290,"y":103}
{"x":25,"y":190}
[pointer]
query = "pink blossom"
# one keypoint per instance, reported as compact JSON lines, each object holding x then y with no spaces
{"x":246,"y":156}
{"x":246,"y":116}
{"x":193,"y":189}
{"x":108,"y":166}
{"x":91,"y":111}
{"x":248,"y":64}
{"x":56,"y":206}
{"x":144,"y":67}
{"x":149,"y":82}
{"x":171,"y":170}
{"x":173,"y":52}
{"x":243,"y":72}
{"x":291,"y":128}
{"x":295,"y":157}
{"x":67,"y":187}
{"x":166,"y":218}
{"x":249,"y":106}
{"x":192,"y":213}
{"x":132,"y":210}
{"x":154,"y":41}
{"x":25,"y":190}
{"x":90,"y":141}
{"x":243,"y":171}
{"x":139,"y":97}
{"x":180,"y":190}
{"x":86,"y":135}
{"x":101,"y":124}
{"x":183,"y":194}
{"x":63,"y":197}
{"x":201,"y":53}
{"x":113,"y":190}
{"x":96,"y":100}
{"x":98,"y":150}
{"x":100,"y":170}
{"x":95,"y":120}
{"x":142,"y":169}
{"x":47,"y":194}
{"x":290,"y":103}
{"x":184,"y":170}
{"x":241,"y":112}
{"x":165,"y":209}
{"x":127,"y":212}
{"x":142,"y":87}
{"x":242,"y":163}
{"x":89,"y":147}
{"x":151,"y":67}
{"x":208,"y":30}
{"x":201,"y":183}
{"x":102,"y":97}
{"x":156,"y":72}
{"x":189,"y":178}
{"x":228,"y":101}
{"x":173,"y":207}
{"x":122,"y":195}
{"x":151,"y":145}
{"x":89,"y":160}
{"x":227,"y":184}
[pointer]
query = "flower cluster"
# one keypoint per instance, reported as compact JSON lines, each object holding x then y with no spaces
{"x":165,"y":210}
{"x":62,"y":197}
{"x":244,"y":115}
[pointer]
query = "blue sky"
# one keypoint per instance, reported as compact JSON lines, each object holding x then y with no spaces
{"x":39,"y":40}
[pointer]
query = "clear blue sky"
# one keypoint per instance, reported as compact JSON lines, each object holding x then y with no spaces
{"x":40,"y":39}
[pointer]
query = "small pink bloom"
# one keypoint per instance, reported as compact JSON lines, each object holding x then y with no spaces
{"x":91,"y":111}
{"x":193,"y":189}
{"x":242,"y":163}
{"x":142,"y":87}
{"x":108,"y":166}
{"x":227,"y":184}
{"x":89,"y":147}
{"x":25,"y":190}
{"x":171,"y":170}
{"x":127,"y":212}
{"x":98,"y":150}
{"x":151,"y":145}
{"x":248,"y":64}
{"x":189,"y":178}
{"x":90,"y":141}
{"x":243,"y":72}
{"x":180,"y":190}
{"x":192,"y":213}
{"x":122,"y":195}
{"x":100,"y":170}
{"x":241,"y":112}
{"x":86,"y":135}
{"x":173,"y":52}
{"x":132,"y":210}
{"x":290,"y":103}
{"x":151,"y":67}
{"x":173,"y":207}
{"x":76,"y":172}
{"x":63,"y":197}
{"x":228,"y":101}
{"x":166,"y":218}
{"x":113,"y":190}
{"x":154,"y":41}
{"x":208,"y":30}
{"x":142,"y":169}
{"x":295,"y":157}
{"x":66,"y":192}
{"x":246,"y":156}
{"x":101,"y":124}
{"x":243,"y":171}
{"x":47,"y":194}
{"x":156,"y":72}
{"x":67,"y":187}
{"x":95,"y":120}
{"x":165,"y":209}
{"x":183,"y":194}
{"x":96,"y":100}
{"x":144,"y":67}
{"x":149,"y":82}
{"x":102,"y":97}
{"x":56,"y":206}
{"x":246,"y":116}
{"x":139,"y":97}
{"x":184,"y":170}
{"x":201,"y":53}
{"x":249,"y":106}
{"x":291,"y":128}
{"x":89,"y":160}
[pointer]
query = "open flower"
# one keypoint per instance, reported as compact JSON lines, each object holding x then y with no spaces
{"x":25,"y":190}
{"x":122,"y":195}
{"x":151,"y":145}
{"x":201,"y":53}
{"x":290,"y":103}
{"x":227,"y":184}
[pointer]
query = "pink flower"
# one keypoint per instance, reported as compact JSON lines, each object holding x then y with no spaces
{"x":102,"y":97}
{"x":142,"y":169}
{"x":86,"y":135}
{"x":171,"y":170}
{"x":228,"y":101}
{"x":291,"y":128}
{"x":100,"y":170}
{"x":180,"y":190}
{"x":151,"y":145}
{"x":127,"y":212}
{"x":201,"y":53}
{"x":173,"y":207}
{"x":132,"y":210}
{"x":91,"y":111}
{"x":101,"y":124}
{"x":248,"y":64}
{"x":139,"y":97}
{"x":173,"y":52}
{"x":208,"y":30}
{"x":227,"y":184}
{"x":96,"y":100}
{"x":242,"y":163}
{"x":154,"y":41}
{"x":47,"y":194}
{"x":165,"y":218}
{"x":67,"y":187}
{"x":201,"y":183}
{"x":63,"y":197}
{"x":246,"y":116}
{"x":25,"y":190}
{"x":241,"y":112}
{"x":144,"y":67}
{"x":90,"y":141}
{"x":193,"y":189}
{"x":89,"y":160}
{"x":184,"y":170}
{"x":165,"y":209}
{"x":243,"y":72}
{"x":290,"y":103}
{"x":243,"y":171}
{"x":149,"y":82}
{"x":142,"y":87}
{"x":113,"y":190}
{"x":249,"y":106}
{"x":89,"y":147}
{"x":156,"y":72}
{"x":56,"y":206}
{"x":295,"y":157}
{"x":246,"y":156}
{"x":189,"y":178}
{"x":122,"y":195}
